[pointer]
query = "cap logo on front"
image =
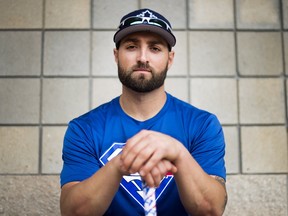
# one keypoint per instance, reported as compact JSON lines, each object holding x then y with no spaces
{"x":145,"y":20}
{"x":149,"y":13}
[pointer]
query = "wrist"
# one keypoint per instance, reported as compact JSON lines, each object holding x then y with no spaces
{"x":116,"y":164}
{"x":181,"y":155}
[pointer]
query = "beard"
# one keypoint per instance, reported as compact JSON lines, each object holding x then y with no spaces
{"x":140,"y":83}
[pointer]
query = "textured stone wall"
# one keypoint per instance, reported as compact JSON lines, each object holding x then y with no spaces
{"x":56,"y":62}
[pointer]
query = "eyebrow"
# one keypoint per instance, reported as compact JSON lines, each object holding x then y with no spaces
{"x":150,"y":42}
{"x":133,"y":40}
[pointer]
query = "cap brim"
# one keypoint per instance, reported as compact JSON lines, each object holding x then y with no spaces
{"x":170,"y":38}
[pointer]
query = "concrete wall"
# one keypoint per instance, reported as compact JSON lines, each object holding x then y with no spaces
{"x":56,"y":62}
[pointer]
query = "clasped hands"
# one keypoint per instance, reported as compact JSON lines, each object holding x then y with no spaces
{"x":151,"y":154}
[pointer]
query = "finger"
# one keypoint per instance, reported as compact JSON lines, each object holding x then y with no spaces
{"x":141,"y":158}
{"x":170,"y":167}
{"x":132,"y":157}
{"x":163,"y":167}
{"x":140,"y":152}
{"x":157,"y":176}
{"x":151,"y":163}
{"x":149,"y":180}
{"x":157,"y":173}
{"x":133,"y":146}
{"x":130,"y":143}
{"x":161,"y":170}
{"x":131,"y":153}
{"x":173,"y":169}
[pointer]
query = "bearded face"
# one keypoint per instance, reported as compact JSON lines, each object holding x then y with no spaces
{"x":141,"y":82}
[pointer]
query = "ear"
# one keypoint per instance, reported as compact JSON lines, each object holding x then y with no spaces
{"x":116,"y":54}
{"x":170,"y":58}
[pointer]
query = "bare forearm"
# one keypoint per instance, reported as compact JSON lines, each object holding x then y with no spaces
{"x":200,"y":193}
{"x":92,"y":196}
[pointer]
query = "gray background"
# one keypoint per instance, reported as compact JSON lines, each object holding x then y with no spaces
{"x":56,"y":62}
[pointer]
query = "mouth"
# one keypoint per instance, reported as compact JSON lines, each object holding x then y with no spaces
{"x":141,"y":69}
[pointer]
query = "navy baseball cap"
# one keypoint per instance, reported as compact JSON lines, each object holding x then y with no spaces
{"x":145,"y":20}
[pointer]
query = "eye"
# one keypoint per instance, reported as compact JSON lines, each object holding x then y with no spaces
{"x":131,"y":47}
{"x":155,"y":49}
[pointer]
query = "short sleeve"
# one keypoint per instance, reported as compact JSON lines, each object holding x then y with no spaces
{"x":208,"y":148}
{"x":79,"y":157}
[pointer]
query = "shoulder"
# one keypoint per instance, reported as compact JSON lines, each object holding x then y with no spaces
{"x":197,"y":122}
{"x":87,"y":123}
{"x":97,"y":114}
{"x":190,"y":111}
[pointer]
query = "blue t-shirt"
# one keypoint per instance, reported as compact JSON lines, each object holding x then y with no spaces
{"x":94,"y":138}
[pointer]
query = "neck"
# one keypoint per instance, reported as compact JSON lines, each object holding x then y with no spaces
{"x":142,"y":106}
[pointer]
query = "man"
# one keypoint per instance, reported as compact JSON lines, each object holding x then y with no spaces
{"x":144,"y":134}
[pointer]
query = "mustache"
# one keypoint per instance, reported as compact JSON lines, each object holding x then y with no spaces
{"x":142,"y":66}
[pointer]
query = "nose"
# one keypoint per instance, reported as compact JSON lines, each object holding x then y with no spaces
{"x":142,"y":55}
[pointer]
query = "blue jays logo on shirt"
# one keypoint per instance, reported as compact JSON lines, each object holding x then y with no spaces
{"x":132,"y":183}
